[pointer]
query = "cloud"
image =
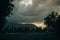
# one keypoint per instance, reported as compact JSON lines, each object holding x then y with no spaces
{"x":58,"y":2}
{"x":35,"y":13}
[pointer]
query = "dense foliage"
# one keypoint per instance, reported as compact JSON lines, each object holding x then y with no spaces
{"x":53,"y":22}
{"x":5,"y":9}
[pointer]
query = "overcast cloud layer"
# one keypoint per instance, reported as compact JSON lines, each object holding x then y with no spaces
{"x":35,"y":12}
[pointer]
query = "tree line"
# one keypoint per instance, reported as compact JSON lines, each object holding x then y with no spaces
{"x":23,"y":28}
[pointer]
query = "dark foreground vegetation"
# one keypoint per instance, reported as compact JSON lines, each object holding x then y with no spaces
{"x":53,"y":22}
{"x":5,"y":10}
{"x":30,"y":36}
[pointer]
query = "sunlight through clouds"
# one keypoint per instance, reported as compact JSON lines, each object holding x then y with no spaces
{"x":33,"y":11}
{"x":25,"y":3}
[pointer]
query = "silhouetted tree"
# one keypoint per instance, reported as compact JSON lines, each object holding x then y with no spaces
{"x":58,"y":25}
{"x":45,"y":29}
{"x":50,"y":21}
{"x":5,"y":8}
{"x":40,"y":29}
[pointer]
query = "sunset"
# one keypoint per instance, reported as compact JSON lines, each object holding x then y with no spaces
{"x":29,"y":19}
{"x":38,"y":24}
{"x":42,"y":25}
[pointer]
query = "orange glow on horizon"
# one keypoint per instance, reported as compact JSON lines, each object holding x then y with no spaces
{"x":38,"y":24}
{"x":42,"y":25}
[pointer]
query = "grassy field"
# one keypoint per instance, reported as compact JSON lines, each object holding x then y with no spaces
{"x":29,"y":36}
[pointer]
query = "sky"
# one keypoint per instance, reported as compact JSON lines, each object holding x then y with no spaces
{"x":33,"y":11}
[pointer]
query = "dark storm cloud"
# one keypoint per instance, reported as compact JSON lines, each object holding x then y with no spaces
{"x":35,"y":13}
